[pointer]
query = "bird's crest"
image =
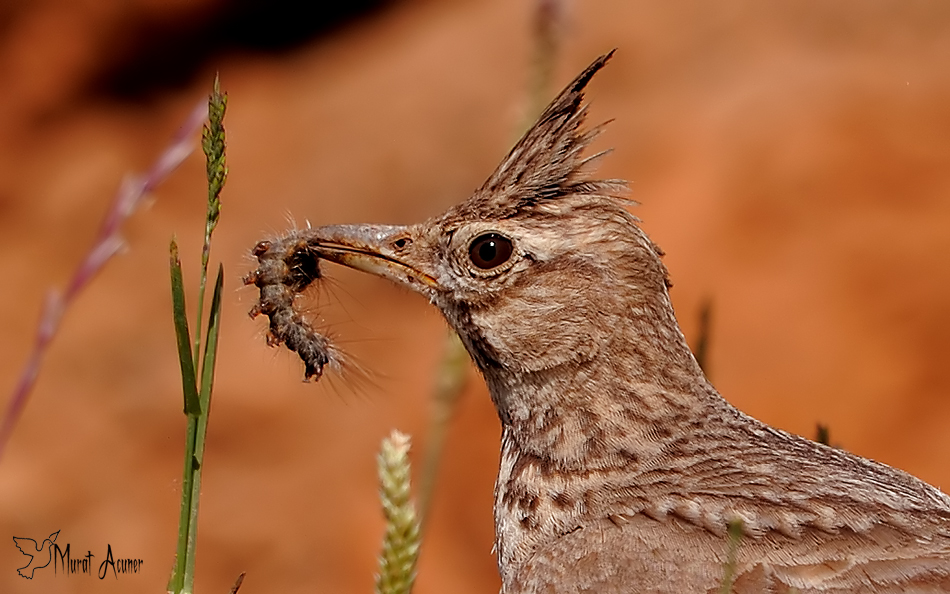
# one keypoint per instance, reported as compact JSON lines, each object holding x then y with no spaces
{"x":547,"y":162}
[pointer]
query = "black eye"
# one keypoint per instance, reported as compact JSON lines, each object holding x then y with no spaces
{"x":490,"y":250}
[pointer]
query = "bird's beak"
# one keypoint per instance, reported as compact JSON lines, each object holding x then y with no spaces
{"x":370,"y":248}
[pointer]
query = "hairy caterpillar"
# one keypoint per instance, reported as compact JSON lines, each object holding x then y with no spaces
{"x":286,"y":267}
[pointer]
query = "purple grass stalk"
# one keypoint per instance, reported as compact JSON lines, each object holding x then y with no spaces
{"x":108,"y":242}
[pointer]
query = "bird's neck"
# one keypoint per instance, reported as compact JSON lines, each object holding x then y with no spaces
{"x":590,"y":420}
{"x":585,"y":414}
{"x":570,"y":430}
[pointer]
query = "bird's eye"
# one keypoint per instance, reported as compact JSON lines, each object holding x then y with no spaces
{"x":490,"y":250}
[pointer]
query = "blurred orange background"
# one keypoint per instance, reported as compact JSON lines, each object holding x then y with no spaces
{"x":791,"y":157}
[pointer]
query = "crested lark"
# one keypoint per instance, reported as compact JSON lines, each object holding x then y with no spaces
{"x":621,"y":466}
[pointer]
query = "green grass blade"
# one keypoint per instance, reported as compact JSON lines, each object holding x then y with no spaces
{"x":207,"y":383}
{"x":177,"y":580}
{"x":192,"y":409}
{"x":211,"y":342}
{"x":188,"y":385}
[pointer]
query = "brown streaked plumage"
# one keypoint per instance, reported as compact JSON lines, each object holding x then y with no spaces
{"x":621,"y":466}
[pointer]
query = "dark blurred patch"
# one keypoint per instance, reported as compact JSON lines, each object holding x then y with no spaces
{"x":164,"y":54}
{"x":8,"y":11}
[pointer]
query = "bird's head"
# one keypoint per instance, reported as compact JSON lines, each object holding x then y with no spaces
{"x":542,"y":267}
